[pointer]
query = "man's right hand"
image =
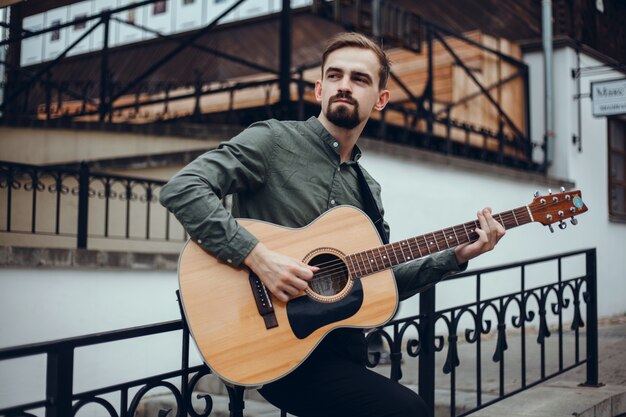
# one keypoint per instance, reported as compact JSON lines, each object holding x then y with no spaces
{"x":283,"y":276}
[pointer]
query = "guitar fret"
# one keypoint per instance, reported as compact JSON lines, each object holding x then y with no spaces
{"x":382,"y":259}
{"x":435,"y":237}
{"x":469,"y":239}
{"x":351,"y":268}
{"x":427,"y":245}
{"x":418,"y":247}
{"x":443,"y":233}
{"x":393,"y":246}
{"x":515,"y":217}
{"x":363,"y":262}
{"x":455,"y":236}
{"x":371,"y":260}
{"x":501,"y":221}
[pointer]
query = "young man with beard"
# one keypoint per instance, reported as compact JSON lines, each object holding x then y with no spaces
{"x":289,"y":173}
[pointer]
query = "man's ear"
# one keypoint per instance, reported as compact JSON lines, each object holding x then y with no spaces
{"x":383,"y":99}
{"x":318,"y":91}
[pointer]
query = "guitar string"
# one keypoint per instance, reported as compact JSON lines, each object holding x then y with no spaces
{"x":338,"y":267}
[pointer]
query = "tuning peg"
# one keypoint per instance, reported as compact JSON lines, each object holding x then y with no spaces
{"x":574,"y":221}
{"x":562,"y":189}
{"x":562,"y":225}
{"x":549,"y":190}
{"x":551,"y":229}
{"x":537,"y":194}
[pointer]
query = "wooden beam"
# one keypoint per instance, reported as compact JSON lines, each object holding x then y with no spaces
{"x":5,"y":3}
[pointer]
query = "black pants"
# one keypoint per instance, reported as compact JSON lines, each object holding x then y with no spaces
{"x":334,"y":381}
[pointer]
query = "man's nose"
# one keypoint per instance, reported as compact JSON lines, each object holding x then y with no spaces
{"x":345,"y":85}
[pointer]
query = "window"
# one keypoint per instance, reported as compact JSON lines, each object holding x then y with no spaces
{"x":81,"y":25}
{"x":159,"y":7}
{"x":55,"y":35}
{"x":617,"y":169}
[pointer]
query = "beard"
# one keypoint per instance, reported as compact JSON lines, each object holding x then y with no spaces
{"x":341,"y":115}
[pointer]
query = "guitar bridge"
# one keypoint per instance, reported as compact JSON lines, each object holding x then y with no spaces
{"x":263,"y":301}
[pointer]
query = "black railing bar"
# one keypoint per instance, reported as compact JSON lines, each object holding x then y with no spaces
{"x":460,"y":62}
{"x":201,"y":47}
{"x":479,"y":93}
{"x":44,"y":233}
{"x":95,"y":175}
{"x":138,"y":239}
{"x":47,"y":67}
{"x":77,"y":21}
{"x":517,"y":391}
{"x":91,"y":339}
{"x":510,"y":295}
{"x":175,"y":51}
{"x":406,"y":90}
{"x":136,"y":382}
{"x":136,"y":180}
{"x":465,"y":127}
{"x":517,"y":264}
{"x":460,"y":36}
{"x":17,"y":409}
{"x":54,"y":84}
{"x":235,"y":87}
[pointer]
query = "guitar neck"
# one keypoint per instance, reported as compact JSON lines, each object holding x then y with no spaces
{"x":392,"y":254}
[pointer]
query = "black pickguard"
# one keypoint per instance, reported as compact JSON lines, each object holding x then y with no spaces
{"x":307,"y":315}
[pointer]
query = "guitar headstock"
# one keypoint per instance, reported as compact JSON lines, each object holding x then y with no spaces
{"x":552,"y":208}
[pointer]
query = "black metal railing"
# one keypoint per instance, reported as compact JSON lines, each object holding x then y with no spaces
{"x":567,"y":297}
{"x":80,"y":204}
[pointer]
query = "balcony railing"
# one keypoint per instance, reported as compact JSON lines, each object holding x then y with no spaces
{"x":568,"y":298}
{"x":79,"y":207}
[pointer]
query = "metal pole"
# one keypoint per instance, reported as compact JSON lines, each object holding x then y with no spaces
{"x":285,"y":57}
{"x":592,"y":320}
{"x":59,"y":382}
{"x":83,"y":206}
{"x":104,"y":68}
{"x":546,"y":34}
{"x":427,"y":354}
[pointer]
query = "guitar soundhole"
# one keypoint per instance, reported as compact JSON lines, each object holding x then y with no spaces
{"x":332,"y":278}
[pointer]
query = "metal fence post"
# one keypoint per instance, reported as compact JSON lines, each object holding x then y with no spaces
{"x":83,"y":206}
{"x":59,"y":381}
{"x":427,"y":351}
{"x":592,"y":320}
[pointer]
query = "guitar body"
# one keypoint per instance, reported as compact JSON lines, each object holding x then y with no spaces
{"x":223,"y":317}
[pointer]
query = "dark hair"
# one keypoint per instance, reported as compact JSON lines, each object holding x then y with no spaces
{"x":357,"y":40}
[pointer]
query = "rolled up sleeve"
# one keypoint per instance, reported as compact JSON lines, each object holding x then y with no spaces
{"x":194,"y":194}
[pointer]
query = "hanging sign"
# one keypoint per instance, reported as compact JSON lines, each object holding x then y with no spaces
{"x":608,"y":97}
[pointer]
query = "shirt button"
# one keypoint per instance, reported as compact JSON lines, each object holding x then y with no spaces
{"x":332,"y":202}
{"x":335,"y":144}
{"x":199,"y":241}
{"x":230,"y":261}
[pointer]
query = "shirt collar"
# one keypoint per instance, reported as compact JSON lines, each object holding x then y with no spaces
{"x":329,"y":139}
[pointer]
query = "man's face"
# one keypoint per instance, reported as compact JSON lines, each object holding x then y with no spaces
{"x":349,"y":90}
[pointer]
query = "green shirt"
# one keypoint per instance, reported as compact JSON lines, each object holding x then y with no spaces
{"x":286,"y":173}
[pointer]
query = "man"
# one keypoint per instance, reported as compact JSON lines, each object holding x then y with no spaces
{"x":289,"y":173}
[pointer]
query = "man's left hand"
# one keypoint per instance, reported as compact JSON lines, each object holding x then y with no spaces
{"x":489,"y":233}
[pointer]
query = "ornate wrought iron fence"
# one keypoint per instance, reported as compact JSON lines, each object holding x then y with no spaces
{"x":421,"y":336}
{"x":80,"y":204}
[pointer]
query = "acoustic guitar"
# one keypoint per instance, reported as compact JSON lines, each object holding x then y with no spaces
{"x":249,"y":338}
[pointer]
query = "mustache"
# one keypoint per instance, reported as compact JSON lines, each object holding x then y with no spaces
{"x":343,"y":96}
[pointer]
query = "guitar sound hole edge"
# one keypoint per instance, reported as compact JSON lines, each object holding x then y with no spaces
{"x":337,"y":274}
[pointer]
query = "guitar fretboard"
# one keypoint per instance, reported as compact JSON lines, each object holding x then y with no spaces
{"x":384,"y":257}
